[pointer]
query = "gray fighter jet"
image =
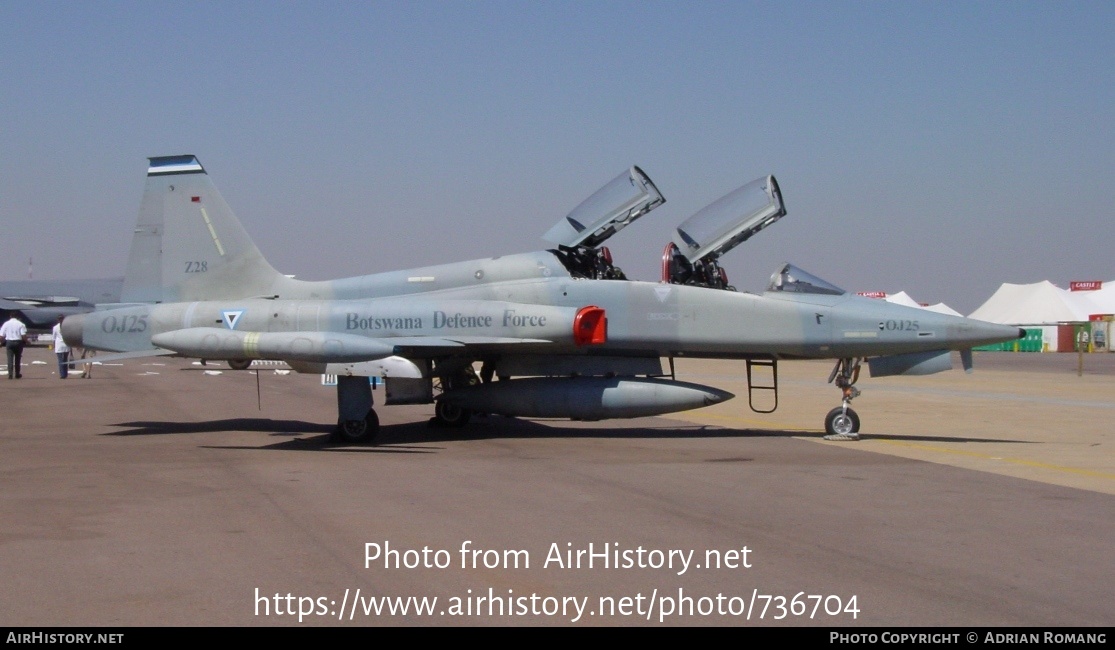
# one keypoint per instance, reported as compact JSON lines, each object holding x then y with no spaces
{"x":559,"y":333}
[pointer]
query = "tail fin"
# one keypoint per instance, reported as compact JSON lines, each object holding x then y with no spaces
{"x":188,"y":245}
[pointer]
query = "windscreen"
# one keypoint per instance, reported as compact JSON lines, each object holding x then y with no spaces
{"x":791,"y":279}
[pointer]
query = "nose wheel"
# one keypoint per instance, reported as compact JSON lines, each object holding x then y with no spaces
{"x":842,"y":423}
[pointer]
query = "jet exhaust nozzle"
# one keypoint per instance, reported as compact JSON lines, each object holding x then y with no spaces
{"x":73,"y":328}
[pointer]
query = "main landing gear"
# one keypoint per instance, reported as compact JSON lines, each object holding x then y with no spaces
{"x":842,"y":423}
{"x":451,"y":415}
{"x":358,"y":431}
{"x":357,"y":421}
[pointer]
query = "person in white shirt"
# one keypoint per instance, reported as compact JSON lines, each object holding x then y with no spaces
{"x":61,"y":350}
{"x":14,"y":335}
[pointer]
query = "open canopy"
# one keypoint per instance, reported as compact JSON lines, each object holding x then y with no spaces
{"x":611,"y":209}
{"x":730,"y":220}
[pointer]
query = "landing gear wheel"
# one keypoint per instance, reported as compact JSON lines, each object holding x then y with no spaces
{"x":451,"y":415}
{"x":842,"y":422}
{"x":359,"y":431}
{"x":239,"y":364}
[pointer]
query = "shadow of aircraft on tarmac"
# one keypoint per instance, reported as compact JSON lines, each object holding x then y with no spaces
{"x":303,"y":435}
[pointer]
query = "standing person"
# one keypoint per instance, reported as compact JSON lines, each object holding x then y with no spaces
{"x":14,"y":335}
{"x":61,"y":350}
{"x":87,"y":367}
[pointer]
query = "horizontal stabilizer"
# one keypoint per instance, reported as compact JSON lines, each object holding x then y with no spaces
{"x":138,"y":354}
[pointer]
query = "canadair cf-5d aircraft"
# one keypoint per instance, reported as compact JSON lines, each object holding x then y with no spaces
{"x":559,"y":333}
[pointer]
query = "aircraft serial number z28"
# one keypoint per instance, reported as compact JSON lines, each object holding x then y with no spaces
{"x":559,"y":333}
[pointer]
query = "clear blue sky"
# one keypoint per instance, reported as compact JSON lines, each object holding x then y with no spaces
{"x":940,"y":148}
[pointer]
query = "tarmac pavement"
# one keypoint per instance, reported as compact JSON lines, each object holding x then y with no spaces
{"x":158,"y":493}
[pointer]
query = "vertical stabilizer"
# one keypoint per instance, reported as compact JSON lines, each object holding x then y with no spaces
{"x":188,"y":245}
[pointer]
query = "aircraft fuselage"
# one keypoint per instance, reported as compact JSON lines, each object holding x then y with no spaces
{"x":532,"y":298}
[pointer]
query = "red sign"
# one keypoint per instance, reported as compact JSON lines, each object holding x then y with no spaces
{"x":872,"y":294}
{"x":1085,"y":285}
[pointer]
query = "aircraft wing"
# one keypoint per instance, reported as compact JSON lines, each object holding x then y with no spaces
{"x":426,"y":347}
{"x":39,"y":303}
{"x":12,"y":305}
{"x":458,"y":341}
{"x":40,"y":316}
{"x":60,"y":292}
{"x":318,"y":347}
{"x":17,"y":302}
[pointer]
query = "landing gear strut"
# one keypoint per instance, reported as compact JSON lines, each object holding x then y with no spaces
{"x":357,"y":421}
{"x":451,"y":415}
{"x":842,"y":423}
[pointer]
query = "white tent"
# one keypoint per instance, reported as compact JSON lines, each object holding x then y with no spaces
{"x":1103,"y":299}
{"x":902,"y":298}
{"x":1041,"y":303}
{"x":942,"y":308}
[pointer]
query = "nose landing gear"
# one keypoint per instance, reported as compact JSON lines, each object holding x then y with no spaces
{"x":842,"y":423}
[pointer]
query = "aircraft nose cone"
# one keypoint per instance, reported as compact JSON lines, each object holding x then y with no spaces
{"x":72,"y":329}
{"x":970,"y":332}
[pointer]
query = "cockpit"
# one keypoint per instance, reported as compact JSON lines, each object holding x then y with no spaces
{"x":791,"y":279}
{"x":610,"y":209}
{"x":588,"y":262}
{"x":692,"y":257}
{"x":706,"y":272}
